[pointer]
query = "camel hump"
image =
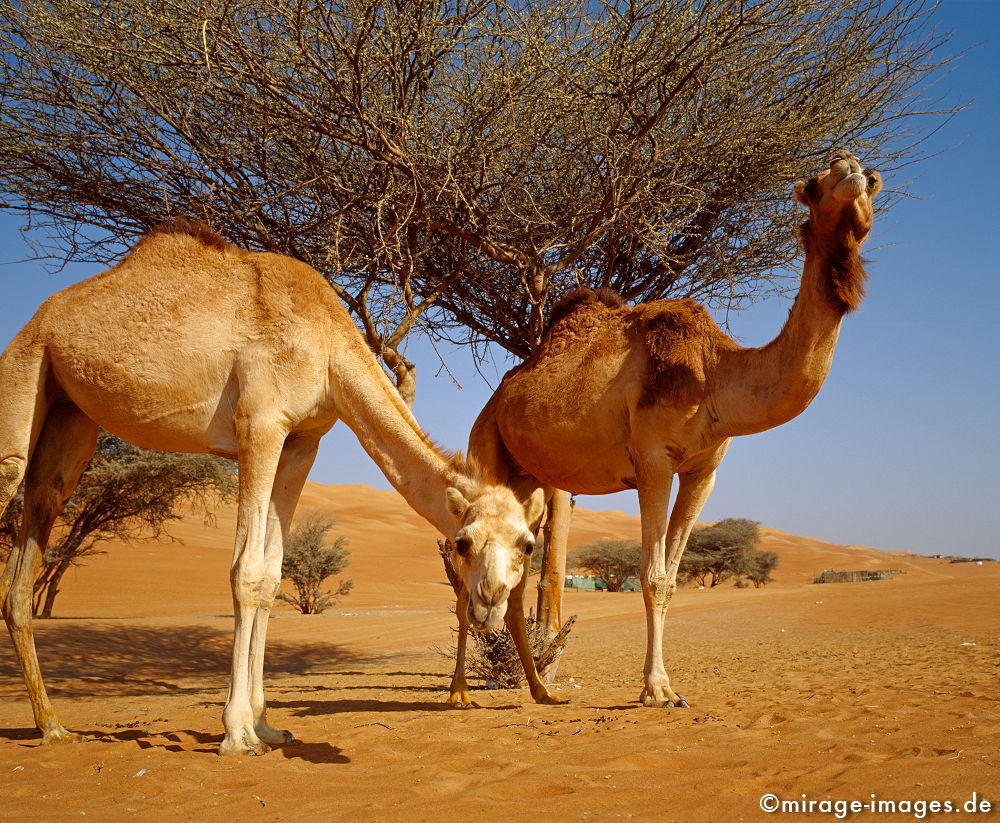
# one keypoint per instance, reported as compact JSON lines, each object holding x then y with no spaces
{"x":194,"y":229}
{"x":581,"y":295}
{"x":683,"y":342}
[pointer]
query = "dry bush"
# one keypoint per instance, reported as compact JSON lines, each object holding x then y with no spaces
{"x":492,"y":654}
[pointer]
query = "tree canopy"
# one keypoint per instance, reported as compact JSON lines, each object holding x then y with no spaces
{"x":724,"y":550}
{"x":611,"y":561}
{"x":454,"y":165}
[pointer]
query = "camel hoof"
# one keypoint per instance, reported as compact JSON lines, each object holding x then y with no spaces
{"x":682,"y":703}
{"x":255,"y":749}
{"x":274,"y":737}
{"x":548,"y":699}
{"x":57,"y":737}
{"x":461,"y":700}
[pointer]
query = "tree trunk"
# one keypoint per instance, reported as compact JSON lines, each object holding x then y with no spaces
{"x":51,"y":589}
{"x":553,"y":575}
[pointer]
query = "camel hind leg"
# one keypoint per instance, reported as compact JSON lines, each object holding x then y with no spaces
{"x":62,"y":452}
{"x":23,"y":405}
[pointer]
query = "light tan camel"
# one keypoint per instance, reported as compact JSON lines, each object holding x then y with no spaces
{"x":625,"y":397}
{"x":190,"y":344}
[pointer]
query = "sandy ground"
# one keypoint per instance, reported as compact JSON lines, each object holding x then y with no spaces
{"x":836,"y":692}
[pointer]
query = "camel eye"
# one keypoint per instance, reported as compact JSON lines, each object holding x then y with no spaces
{"x":529,"y":547}
{"x":462,"y":545}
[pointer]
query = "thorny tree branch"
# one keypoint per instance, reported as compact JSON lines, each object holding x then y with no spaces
{"x":449,"y":165}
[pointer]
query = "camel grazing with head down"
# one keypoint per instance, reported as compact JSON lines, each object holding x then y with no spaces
{"x":190,"y":344}
{"x":625,"y":397}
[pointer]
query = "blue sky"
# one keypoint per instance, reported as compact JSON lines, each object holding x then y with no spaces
{"x":900,"y":449}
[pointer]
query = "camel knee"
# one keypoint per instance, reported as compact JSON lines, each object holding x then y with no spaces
{"x":658,"y":590}
{"x":11,"y":475}
{"x":247,"y":588}
{"x":17,"y":608}
{"x":269,"y":591}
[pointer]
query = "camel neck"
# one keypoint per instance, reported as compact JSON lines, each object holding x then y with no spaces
{"x":369,"y":404}
{"x":764,"y":387}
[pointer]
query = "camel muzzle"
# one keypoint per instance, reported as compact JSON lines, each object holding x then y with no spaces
{"x":484,"y":617}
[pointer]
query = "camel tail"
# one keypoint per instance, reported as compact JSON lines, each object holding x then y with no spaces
{"x":23,"y":404}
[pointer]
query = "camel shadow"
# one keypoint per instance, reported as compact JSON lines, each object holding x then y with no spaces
{"x":181,"y":741}
{"x":80,"y":660}
{"x":308,"y":708}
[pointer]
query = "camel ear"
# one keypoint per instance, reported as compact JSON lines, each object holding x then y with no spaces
{"x":534,"y":507}
{"x":800,"y":192}
{"x":457,"y":504}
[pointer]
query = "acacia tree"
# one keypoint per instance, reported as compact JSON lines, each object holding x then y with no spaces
{"x":720,"y":552}
{"x":612,"y":562}
{"x":126,"y":493}
{"x":760,"y":566}
{"x":452,"y":164}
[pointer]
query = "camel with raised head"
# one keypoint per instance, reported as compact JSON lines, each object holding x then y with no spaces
{"x":190,"y":344}
{"x":626,"y":397}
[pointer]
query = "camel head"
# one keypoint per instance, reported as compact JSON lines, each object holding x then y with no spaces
{"x":840,"y":199}
{"x":492,"y":546}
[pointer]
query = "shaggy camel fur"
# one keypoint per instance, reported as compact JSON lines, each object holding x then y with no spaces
{"x":192,"y":345}
{"x":625,"y":397}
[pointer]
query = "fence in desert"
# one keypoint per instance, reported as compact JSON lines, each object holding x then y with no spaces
{"x":858,"y":575}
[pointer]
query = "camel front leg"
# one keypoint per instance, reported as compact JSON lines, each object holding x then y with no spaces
{"x":293,"y":468}
{"x":654,"y":502}
{"x":260,"y":448}
{"x":659,"y":576}
{"x":514,"y":619}
{"x":459,"y":697}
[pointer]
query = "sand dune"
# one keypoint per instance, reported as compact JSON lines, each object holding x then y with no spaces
{"x":837,"y":691}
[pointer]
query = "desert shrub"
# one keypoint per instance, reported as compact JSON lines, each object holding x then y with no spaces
{"x":308,"y":562}
{"x":492,"y":655}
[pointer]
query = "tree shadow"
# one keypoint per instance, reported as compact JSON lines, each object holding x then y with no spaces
{"x":125,"y":660}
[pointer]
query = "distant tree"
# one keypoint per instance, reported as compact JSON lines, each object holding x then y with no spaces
{"x":611,"y":561}
{"x":719,"y":552}
{"x":126,"y":493}
{"x":760,"y":566}
{"x":308,"y":561}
